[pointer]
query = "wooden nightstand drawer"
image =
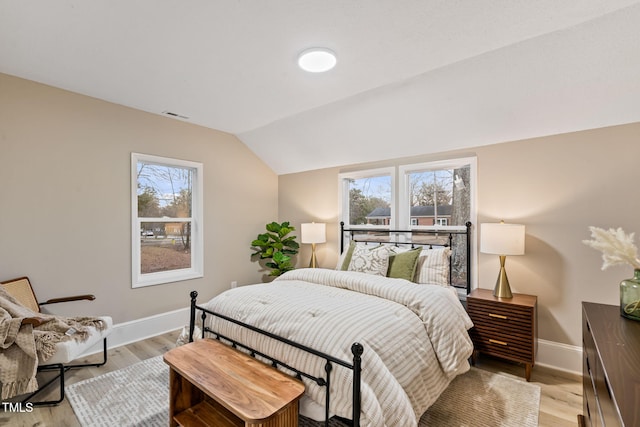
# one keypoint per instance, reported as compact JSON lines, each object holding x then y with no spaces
{"x":509,"y":339}
{"x":518,"y":350}
{"x":502,"y":330}
{"x":499,"y":316}
{"x":504,"y":327}
{"x":498,"y":311}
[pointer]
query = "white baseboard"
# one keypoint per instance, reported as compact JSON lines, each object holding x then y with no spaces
{"x":146,"y":327}
{"x":563,"y":357}
{"x":551,"y":354}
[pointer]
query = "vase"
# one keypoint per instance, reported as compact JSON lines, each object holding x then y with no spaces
{"x":630,"y":296}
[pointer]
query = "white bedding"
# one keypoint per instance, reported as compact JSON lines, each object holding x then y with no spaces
{"x":414,"y":336}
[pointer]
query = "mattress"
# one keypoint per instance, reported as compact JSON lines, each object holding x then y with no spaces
{"x":414,"y":336}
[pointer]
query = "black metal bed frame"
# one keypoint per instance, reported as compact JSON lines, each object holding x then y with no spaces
{"x":355,"y":366}
{"x":356,"y":348}
{"x":405,"y":237}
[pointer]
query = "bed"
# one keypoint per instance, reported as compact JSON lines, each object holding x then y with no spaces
{"x":372,"y":349}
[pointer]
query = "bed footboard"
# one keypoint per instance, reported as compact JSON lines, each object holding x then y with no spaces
{"x":355,"y":365}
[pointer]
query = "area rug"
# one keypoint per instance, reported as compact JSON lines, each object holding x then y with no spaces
{"x":138,"y":395}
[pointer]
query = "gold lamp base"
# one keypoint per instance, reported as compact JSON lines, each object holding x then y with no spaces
{"x":313,"y":263}
{"x":502,"y":289}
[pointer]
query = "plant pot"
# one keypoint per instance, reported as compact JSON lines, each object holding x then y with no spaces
{"x":630,"y":297}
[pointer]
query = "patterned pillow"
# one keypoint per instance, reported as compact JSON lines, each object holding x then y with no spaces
{"x":370,"y":261}
{"x":433,"y":267}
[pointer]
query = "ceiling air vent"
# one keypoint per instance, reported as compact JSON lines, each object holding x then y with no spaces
{"x":180,"y":116}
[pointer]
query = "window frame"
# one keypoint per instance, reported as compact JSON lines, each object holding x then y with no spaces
{"x":400,"y":201}
{"x":404,"y":208}
{"x":139,"y":279}
{"x":343,"y":194}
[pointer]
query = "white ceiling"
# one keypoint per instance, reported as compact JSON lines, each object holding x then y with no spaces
{"x":413,"y":76}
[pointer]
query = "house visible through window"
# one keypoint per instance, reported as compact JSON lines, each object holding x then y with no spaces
{"x":166,"y":220}
{"x":442,"y":221}
{"x":368,"y":197}
{"x":434,"y":195}
{"x":438,"y":195}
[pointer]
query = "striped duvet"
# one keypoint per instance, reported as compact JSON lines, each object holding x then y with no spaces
{"x":414,"y":336}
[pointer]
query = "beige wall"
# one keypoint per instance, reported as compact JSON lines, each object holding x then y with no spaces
{"x":65,"y":205}
{"x":65,"y":199}
{"x":557,"y":186}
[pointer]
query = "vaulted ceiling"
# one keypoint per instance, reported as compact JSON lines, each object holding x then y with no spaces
{"x":413,"y":76}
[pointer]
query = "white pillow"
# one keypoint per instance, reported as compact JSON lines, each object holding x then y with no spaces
{"x":433,"y":267}
{"x":401,"y":249}
{"x":370,"y":261}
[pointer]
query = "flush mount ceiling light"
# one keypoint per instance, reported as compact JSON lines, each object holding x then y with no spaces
{"x":317,"y":59}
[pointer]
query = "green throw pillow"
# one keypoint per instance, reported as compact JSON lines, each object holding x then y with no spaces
{"x":347,"y":257}
{"x":403,"y":265}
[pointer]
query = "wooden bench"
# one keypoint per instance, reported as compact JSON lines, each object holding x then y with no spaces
{"x":212,"y":384}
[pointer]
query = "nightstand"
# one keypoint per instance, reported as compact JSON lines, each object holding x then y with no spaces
{"x":504,"y":327}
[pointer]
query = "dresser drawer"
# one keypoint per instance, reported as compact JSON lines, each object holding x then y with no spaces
{"x":590,"y":407}
{"x":611,"y":367}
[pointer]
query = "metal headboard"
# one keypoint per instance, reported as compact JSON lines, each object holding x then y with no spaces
{"x":438,"y":237}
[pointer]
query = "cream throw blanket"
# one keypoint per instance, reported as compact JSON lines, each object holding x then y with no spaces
{"x":22,"y":347}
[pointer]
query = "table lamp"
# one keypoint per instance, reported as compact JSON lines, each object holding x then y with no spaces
{"x":502,"y":239}
{"x":313,"y":233}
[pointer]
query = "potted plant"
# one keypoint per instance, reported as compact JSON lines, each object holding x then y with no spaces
{"x":276,"y":247}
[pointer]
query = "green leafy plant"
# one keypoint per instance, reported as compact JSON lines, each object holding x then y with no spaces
{"x":276,"y":247}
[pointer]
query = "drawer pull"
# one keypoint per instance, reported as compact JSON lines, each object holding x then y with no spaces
{"x":497,"y":342}
{"x":497,"y":316}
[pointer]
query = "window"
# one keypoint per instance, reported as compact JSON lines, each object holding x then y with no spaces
{"x":442,"y":195}
{"x":438,"y":194}
{"x":368,"y":198}
{"x":167,"y":242}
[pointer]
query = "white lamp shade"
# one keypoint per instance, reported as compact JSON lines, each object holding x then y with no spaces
{"x":314,"y":232}
{"x":502,"y":239}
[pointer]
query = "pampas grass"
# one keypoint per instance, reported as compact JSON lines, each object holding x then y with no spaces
{"x":616,"y":247}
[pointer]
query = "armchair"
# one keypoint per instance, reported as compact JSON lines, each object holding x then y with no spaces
{"x":65,"y":351}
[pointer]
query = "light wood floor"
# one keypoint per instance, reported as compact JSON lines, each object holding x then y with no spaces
{"x":560,"y":400}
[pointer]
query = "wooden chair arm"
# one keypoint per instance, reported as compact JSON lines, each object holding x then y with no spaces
{"x":35,"y":321}
{"x":67,"y":299}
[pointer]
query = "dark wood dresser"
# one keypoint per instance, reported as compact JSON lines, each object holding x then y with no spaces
{"x":504,"y":327}
{"x":611,"y":367}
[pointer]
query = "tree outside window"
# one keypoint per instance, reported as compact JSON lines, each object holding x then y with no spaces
{"x":167,"y":211}
{"x":367,"y":197}
{"x":439,"y":196}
